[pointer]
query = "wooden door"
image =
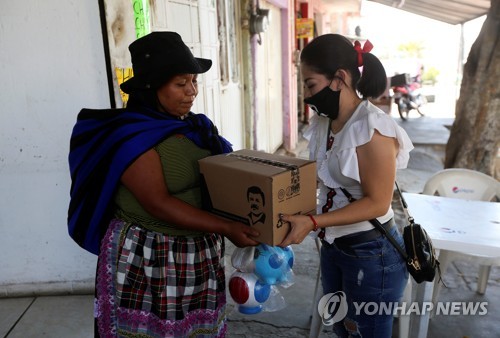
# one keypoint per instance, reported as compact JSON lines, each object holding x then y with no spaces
{"x":269,"y":100}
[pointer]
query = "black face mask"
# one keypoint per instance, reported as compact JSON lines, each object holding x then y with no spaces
{"x":325,"y":102}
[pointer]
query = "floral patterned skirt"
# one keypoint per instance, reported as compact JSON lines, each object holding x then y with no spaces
{"x":150,"y":284}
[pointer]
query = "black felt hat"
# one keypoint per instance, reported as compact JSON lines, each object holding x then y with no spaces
{"x":158,"y":56}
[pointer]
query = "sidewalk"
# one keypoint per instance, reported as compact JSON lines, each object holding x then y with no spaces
{"x":72,"y":315}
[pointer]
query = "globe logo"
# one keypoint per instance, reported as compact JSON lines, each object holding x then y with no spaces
{"x":332,"y":308}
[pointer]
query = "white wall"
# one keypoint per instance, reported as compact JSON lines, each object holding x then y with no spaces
{"x":51,"y":65}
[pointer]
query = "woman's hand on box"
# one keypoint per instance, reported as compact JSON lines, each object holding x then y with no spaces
{"x":241,"y":234}
{"x":300,"y":227}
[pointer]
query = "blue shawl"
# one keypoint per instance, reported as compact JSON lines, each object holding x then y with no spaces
{"x":103,"y":144}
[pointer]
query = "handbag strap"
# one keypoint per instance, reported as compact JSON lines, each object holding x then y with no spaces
{"x":404,"y":205}
{"x":376,"y":223}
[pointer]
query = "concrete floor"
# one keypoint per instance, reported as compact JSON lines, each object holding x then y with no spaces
{"x":72,"y":315}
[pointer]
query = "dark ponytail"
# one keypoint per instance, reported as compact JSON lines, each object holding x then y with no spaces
{"x":330,"y":52}
{"x":373,"y":81}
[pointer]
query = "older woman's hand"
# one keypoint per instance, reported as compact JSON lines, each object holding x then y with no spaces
{"x":300,"y":227}
{"x":241,"y":234}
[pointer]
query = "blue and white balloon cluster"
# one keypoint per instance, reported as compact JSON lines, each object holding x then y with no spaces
{"x":258,"y":270}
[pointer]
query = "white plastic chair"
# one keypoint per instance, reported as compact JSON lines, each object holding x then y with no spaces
{"x":316,"y":321}
{"x":404,"y":318}
{"x":471,"y":185}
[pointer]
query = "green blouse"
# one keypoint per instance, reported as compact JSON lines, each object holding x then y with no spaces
{"x":179,"y":158}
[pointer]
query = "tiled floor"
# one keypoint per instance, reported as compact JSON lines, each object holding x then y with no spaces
{"x":72,"y":316}
{"x":62,"y":316}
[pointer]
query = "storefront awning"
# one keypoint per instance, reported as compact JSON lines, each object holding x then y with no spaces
{"x":449,"y":11}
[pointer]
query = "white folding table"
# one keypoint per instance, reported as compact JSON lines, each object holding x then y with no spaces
{"x":453,"y":224}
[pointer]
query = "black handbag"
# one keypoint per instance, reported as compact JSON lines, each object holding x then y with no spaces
{"x":419,"y":253}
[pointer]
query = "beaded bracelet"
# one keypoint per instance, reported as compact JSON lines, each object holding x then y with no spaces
{"x":314,"y":222}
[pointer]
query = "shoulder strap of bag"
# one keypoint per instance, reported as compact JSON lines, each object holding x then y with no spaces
{"x":376,"y":223}
{"x":412,"y":220}
{"x":404,"y":205}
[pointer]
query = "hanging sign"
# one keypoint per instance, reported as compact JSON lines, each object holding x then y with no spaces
{"x":141,"y":16}
{"x":304,"y":28}
{"x":126,"y":21}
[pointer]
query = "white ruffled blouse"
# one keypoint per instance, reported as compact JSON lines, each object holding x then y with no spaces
{"x":338,"y":167}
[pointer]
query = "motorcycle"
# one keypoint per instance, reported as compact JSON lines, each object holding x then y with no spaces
{"x":407,"y":95}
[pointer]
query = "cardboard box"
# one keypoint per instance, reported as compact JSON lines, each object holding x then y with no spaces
{"x":400,"y":80}
{"x":254,"y":187}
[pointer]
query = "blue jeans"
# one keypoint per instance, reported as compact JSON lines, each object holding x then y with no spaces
{"x":372,"y":272}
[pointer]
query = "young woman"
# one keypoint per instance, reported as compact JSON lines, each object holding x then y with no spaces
{"x":357,"y":148}
{"x":136,"y":201}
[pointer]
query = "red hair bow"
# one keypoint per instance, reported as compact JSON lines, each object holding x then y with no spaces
{"x":366,"y":49}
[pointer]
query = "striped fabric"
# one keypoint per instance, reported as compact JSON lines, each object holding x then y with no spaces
{"x":103,"y":144}
{"x":153,"y":285}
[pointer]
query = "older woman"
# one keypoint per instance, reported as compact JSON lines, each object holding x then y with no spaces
{"x":136,"y":201}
